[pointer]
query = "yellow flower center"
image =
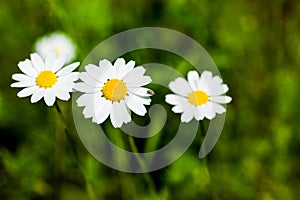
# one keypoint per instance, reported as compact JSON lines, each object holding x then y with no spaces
{"x":197,"y":98}
{"x":46,"y":79}
{"x":114,"y":90}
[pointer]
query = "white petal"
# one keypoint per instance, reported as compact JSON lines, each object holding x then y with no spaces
{"x":120,"y":63}
{"x":94,"y":71}
{"x":143,"y":100}
{"x":68,"y":69}
{"x":108,"y":73}
{"x":140,"y":91}
{"x":125,"y":112}
{"x":49,"y":97}
{"x":22,"y":77}
{"x":37,"y":62}
{"x":175,"y":99}
{"x":203,"y":86}
{"x":130,"y":65}
{"x":50,"y":59}
{"x":27,"y":91}
{"x":134,"y":74}
{"x":193,"y":78}
{"x":180,"y":103}
{"x":136,"y":104}
{"x":85,"y":99}
{"x":217,"y":80}
{"x":144,"y":80}
{"x":88,"y":111}
{"x":23,"y":84}
{"x":205,"y":81}
{"x":116,"y":115}
{"x":59,"y":63}
{"x":120,"y":68}
{"x":198,"y":113}
{"x":213,"y":84}
{"x":206,"y":75}
{"x":220,"y":99}
{"x":180,"y":86}
{"x":67,"y":82}
{"x":61,"y":94}
{"x":27,"y":68}
{"x":84,"y":76}
{"x":91,"y":105}
{"x":177,"y":109}
{"x":215,"y":90}
{"x":218,"y":108}
{"x":188,"y":113}
{"x":208,"y":110}
{"x":71,"y":77}
{"x":56,"y":42}
{"x":102,"y":111}
{"x":82,"y":87}
{"x":105,"y":64}
{"x":37,"y":95}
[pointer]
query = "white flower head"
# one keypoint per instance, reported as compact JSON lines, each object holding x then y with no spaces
{"x":45,"y":78}
{"x":198,"y":97}
{"x":113,"y":90}
{"x":57,"y":42}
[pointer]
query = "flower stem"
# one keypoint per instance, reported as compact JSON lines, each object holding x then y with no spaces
{"x":68,"y":135}
{"x":205,"y":164}
{"x":142,"y":164}
{"x":74,"y":150}
{"x":60,"y":145}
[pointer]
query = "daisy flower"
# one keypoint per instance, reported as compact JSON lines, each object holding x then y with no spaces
{"x":113,"y":90}
{"x":57,"y":42}
{"x":48,"y":79}
{"x":198,"y":97}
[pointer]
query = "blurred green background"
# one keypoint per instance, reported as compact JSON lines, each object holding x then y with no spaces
{"x":256,"y":46}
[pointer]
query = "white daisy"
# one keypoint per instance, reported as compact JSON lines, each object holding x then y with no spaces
{"x":57,"y":42}
{"x":198,"y":97}
{"x":113,"y":90}
{"x":49,"y":79}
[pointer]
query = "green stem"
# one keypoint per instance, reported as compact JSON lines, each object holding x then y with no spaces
{"x":68,"y":135}
{"x":142,"y":164}
{"x":205,"y":163}
{"x":74,"y":150}
{"x":60,"y":143}
{"x":202,"y":130}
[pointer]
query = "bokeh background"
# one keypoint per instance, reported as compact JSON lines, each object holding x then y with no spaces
{"x":256,"y":46}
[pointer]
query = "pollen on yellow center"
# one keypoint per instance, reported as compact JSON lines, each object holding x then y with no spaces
{"x":114,"y":90}
{"x":46,"y":79}
{"x":198,"y":98}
